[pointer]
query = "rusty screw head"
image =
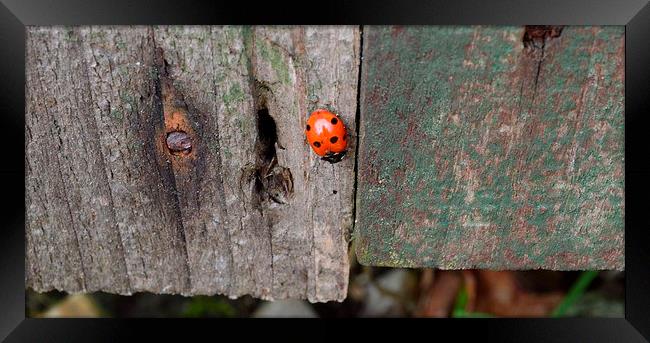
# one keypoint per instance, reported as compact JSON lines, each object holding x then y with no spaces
{"x":179,"y":142}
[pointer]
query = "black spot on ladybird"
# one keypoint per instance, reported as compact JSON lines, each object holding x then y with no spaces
{"x":317,"y":144}
{"x":308,"y":127}
{"x":334,"y":139}
{"x":334,"y":121}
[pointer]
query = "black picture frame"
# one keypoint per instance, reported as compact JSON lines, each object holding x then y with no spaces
{"x":15,"y":15}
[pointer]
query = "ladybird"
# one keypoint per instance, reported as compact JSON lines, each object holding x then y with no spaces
{"x":327,"y":135}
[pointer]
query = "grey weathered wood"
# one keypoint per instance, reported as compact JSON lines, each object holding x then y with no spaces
{"x":110,"y":208}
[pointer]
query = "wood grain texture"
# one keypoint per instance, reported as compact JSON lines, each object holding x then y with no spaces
{"x":478,"y":152}
{"x":249,"y":209}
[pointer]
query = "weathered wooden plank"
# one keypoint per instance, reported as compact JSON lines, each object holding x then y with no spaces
{"x":479,"y":152}
{"x":242,"y":206}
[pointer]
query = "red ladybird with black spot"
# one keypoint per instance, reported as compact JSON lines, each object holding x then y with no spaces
{"x":326,"y":135}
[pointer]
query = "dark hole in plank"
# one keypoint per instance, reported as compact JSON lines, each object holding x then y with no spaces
{"x":535,"y":36}
{"x":267,"y":136}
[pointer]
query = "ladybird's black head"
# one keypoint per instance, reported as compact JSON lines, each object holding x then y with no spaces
{"x":333,"y":157}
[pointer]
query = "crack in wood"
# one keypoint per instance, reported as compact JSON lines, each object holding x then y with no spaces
{"x":535,"y":40}
{"x":357,"y":117}
{"x":164,"y":94}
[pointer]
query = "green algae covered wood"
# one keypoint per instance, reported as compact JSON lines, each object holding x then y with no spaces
{"x":477,"y":150}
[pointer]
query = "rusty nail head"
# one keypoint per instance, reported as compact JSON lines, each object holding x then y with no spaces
{"x":179,"y":142}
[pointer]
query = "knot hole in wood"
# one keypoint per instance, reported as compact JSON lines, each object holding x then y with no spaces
{"x":273,"y":182}
{"x":536,"y":36}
